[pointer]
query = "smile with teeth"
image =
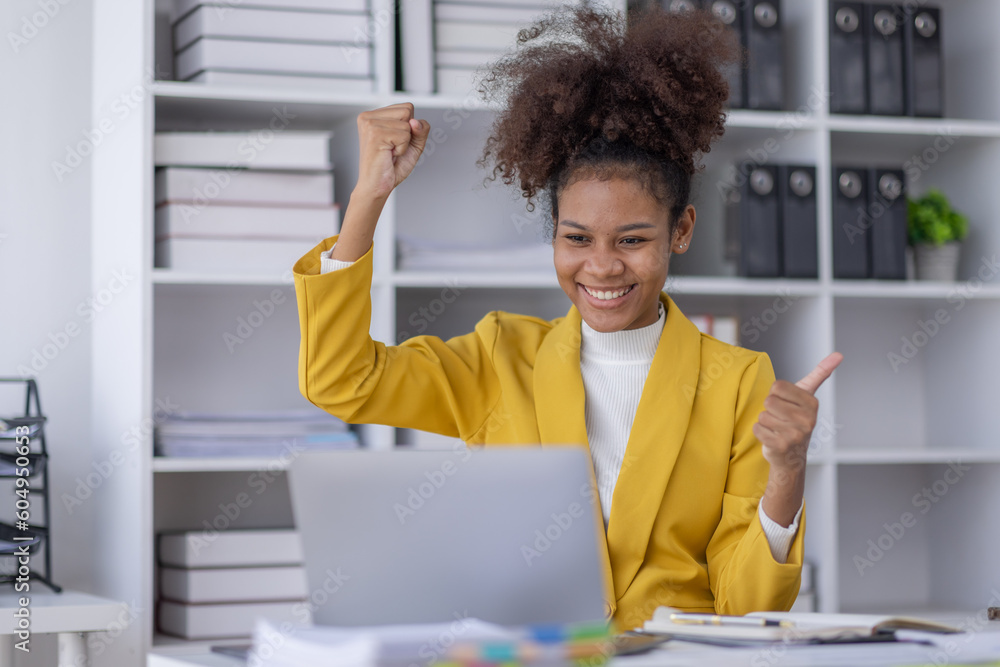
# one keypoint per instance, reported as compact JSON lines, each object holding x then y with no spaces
{"x":608,"y":295}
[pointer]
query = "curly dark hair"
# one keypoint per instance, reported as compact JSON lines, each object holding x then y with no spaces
{"x":592,"y":93}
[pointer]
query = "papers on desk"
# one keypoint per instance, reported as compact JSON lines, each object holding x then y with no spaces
{"x":425,"y":255}
{"x":464,"y":641}
{"x":783,"y":627}
{"x":258,"y":434}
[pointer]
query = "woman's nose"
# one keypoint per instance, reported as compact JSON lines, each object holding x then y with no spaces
{"x":605,"y":262}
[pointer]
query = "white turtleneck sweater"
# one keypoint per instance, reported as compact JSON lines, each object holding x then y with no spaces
{"x":614,"y":367}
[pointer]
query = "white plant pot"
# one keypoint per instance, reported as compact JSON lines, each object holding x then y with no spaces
{"x":937,"y":262}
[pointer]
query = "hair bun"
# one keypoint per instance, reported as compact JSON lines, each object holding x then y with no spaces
{"x":654,"y":79}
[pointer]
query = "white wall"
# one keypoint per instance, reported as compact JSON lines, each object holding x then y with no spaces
{"x":45,"y":79}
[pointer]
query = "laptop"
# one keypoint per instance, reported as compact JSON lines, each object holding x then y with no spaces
{"x":505,"y":535}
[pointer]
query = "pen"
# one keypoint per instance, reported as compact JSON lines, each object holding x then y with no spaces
{"x":713,"y":619}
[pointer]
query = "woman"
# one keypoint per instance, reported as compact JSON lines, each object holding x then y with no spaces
{"x":698,"y":453}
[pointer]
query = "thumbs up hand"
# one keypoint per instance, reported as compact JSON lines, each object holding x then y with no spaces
{"x":789,"y":416}
{"x":784,"y":430}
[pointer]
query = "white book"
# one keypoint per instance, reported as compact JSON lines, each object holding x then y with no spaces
{"x":224,"y":8}
{"x":217,"y":621}
{"x":470,"y":35}
{"x":230,"y":548}
{"x":247,"y":23}
{"x":513,"y":13}
{"x":230,"y":255}
{"x":256,"y":221}
{"x":417,"y":44}
{"x":236,"y":584}
{"x":465,"y":59}
{"x":535,"y":4}
{"x":262,"y":80}
{"x":243,"y":186}
{"x":256,"y":149}
{"x":458,"y":81}
{"x":250,"y":427}
{"x":273,"y":58}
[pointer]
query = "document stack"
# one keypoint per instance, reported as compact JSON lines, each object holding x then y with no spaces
{"x":426,"y":255}
{"x":216,"y":584}
{"x":242,"y":201}
{"x":869,"y":223}
{"x":758,"y":25}
{"x":771,"y":220}
{"x":886,"y":59}
{"x":443,"y":43}
{"x":463,"y":642}
{"x":257,"y":434}
{"x":319,"y":44}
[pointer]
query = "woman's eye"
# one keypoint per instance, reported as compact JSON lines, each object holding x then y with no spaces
{"x":632,"y":241}
{"x":576,"y":238}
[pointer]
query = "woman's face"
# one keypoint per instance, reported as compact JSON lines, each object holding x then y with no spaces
{"x":612,"y":249}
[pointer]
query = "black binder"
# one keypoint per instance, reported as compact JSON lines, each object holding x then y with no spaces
{"x":850,"y":229}
{"x":887,"y":220}
{"x":729,"y":12}
{"x":765,"y":72}
{"x":797,"y":190}
{"x":884,"y":27}
{"x":848,"y":64}
{"x":760,"y":243}
{"x":925,"y":78}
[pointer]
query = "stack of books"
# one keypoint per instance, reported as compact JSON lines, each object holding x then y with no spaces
{"x":415,"y":254}
{"x":242,"y":201}
{"x":215,"y":584}
{"x":319,"y":44}
{"x":257,"y":434}
{"x":443,"y":43}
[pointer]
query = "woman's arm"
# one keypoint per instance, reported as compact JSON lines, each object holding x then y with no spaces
{"x":390,"y":143}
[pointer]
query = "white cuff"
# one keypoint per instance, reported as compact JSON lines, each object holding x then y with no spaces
{"x":328,"y":264}
{"x":779,"y":538}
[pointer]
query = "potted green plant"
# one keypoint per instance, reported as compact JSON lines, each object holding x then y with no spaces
{"x":935,"y":231}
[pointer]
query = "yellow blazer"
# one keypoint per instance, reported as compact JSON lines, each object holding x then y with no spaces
{"x":683,"y":529}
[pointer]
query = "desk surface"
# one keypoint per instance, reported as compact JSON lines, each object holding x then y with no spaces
{"x":68,"y":611}
{"x":982,"y":645}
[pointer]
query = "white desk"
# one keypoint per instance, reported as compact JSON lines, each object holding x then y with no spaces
{"x":67,"y":614}
{"x":678,"y":654}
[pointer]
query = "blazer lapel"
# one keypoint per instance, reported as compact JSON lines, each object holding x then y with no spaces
{"x":658,"y":430}
{"x":559,"y":409}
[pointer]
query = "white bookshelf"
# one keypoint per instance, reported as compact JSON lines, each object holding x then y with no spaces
{"x":884,"y":435}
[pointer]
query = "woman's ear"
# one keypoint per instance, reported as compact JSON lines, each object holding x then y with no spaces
{"x":683,"y":231}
